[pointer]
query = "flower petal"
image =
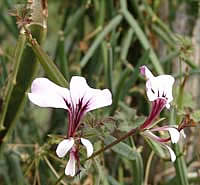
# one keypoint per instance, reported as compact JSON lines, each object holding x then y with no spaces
{"x":64,"y":146}
{"x":171,"y":152}
{"x":71,"y":168}
{"x":95,"y":98}
{"x":146,"y":72}
{"x":45,"y":93}
{"x":160,"y":87}
{"x":175,"y":134}
{"x":173,"y":131}
{"x":88,"y":146}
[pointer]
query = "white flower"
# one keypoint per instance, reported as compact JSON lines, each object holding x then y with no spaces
{"x":77,"y":100}
{"x":159,"y":87}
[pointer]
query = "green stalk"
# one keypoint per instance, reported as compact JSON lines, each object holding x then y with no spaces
{"x":108,"y":61}
{"x":125,"y":136}
{"x":64,"y":68}
{"x":159,"y":22}
{"x":74,"y":20}
{"x":111,"y":26}
{"x":137,"y":166}
{"x":118,"y":91}
{"x":17,"y":58}
{"x":141,"y":36}
{"x":48,"y":65}
{"x":126,"y":44}
{"x":179,"y":164}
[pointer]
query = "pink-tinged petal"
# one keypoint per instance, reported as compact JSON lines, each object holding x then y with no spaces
{"x":173,"y":131}
{"x":88,"y":146}
{"x":64,"y":146}
{"x":45,"y":93}
{"x":94,"y":98}
{"x":71,"y":165}
{"x":146,"y":72}
{"x":154,"y":137}
{"x":172,"y":154}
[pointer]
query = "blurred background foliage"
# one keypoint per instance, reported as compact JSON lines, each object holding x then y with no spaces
{"x":105,"y":41}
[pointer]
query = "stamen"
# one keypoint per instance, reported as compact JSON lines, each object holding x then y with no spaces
{"x":75,"y":115}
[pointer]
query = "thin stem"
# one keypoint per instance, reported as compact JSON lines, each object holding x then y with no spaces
{"x":53,"y":170}
{"x":148,"y":168}
{"x":9,"y":89}
{"x":133,"y":131}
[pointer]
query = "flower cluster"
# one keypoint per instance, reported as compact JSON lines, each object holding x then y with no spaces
{"x":80,"y":99}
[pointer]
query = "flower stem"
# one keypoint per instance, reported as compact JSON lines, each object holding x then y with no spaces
{"x":133,"y":131}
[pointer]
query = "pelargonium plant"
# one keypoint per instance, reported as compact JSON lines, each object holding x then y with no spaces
{"x":77,"y":100}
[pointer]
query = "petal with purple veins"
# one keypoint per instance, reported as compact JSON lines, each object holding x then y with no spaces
{"x":92,"y":98}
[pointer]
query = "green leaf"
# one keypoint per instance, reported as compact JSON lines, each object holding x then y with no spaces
{"x":121,"y":148}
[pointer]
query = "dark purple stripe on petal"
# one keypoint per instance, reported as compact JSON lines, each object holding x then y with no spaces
{"x":76,"y":113}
